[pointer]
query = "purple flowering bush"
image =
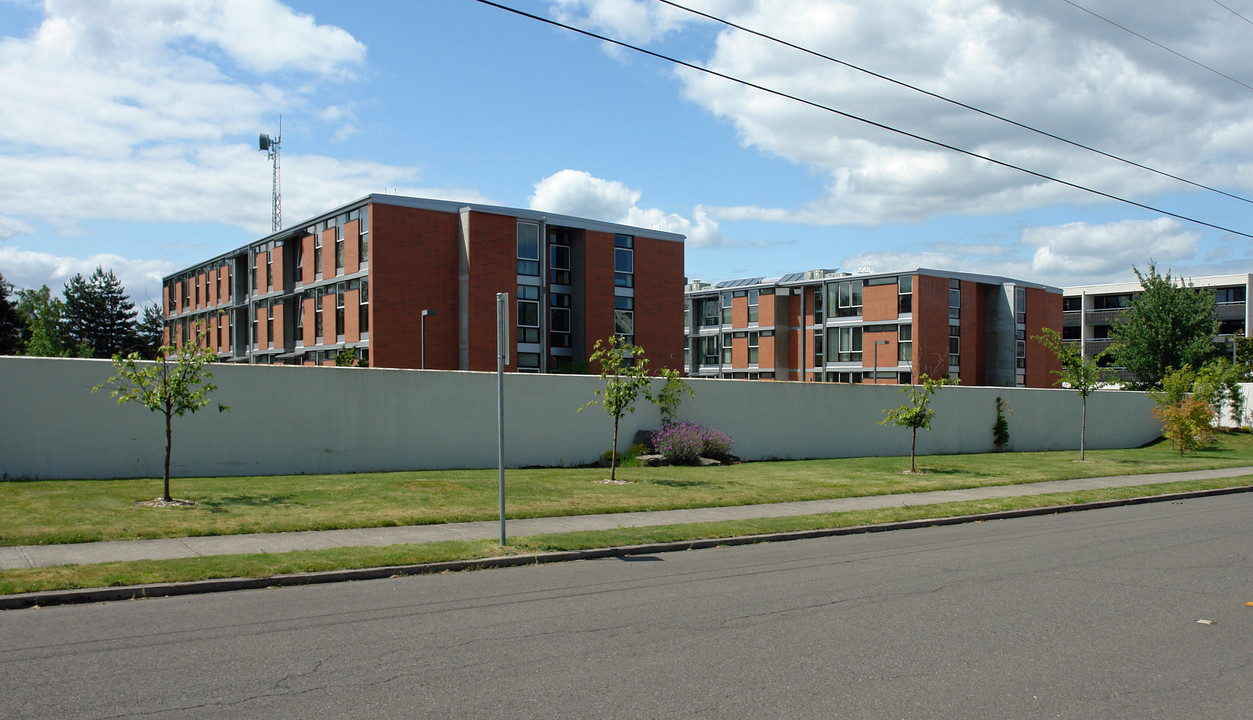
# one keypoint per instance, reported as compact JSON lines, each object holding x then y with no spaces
{"x":682,"y":443}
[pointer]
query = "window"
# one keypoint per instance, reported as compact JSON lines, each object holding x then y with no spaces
{"x":1230,"y":295}
{"x":752,"y":348}
{"x":954,"y":298}
{"x":623,"y":261}
{"x":624,"y":317}
{"x":710,"y":316}
{"x":528,"y":249}
{"x":559,"y":258}
{"x":269,"y":324}
{"x":818,"y":348}
{"x":905,"y":295}
{"x":339,"y":249}
{"x":753,"y":299}
{"x":1020,"y":354}
{"x":269,"y":270}
{"x":726,"y":308}
{"x":300,"y":320}
{"x":528,"y":316}
{"x":1111,"y":302}
{"x":339,"y":311}
{"x":818,"y":293}
{"x":1101,"y":332}
{"x":528,"y":362}
{"x":363,"y":308}
{"x":318,"y":328}
{"x":1072,"y":304}
{"x":254,"y":274}
{"x":363,"y":234}
{"x":559,"y":320}
{"x":317,"y":253}
{"x":847,"y":343}
{"x":197,"y":292}
{"x":847,"y":298}
{"x":299,"y":247}
{"x":1020,"y":305}
{"x":954,"y":345}
{"x":905,"y":343}
{"x":687,"y":314}
{"x":709,"y":354}
{"x":726,"y":349}
{"x":1071,"y":332}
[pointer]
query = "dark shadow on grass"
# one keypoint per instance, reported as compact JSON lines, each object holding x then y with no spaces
{"x":681,"y":483}
{"x":226,"y":504}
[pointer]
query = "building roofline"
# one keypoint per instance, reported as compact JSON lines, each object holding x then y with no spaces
{"x":1134,"y":285}
{"x":718,"y":286}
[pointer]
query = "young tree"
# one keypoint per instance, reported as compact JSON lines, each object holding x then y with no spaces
{"x":41,"y":315}
{"x":624,"y":370}
{"x":917,"y":413}
{"x":178,"y":382}
{"x":1171,"y":323}
{"x":1185,"y":405}
{"x":98,"y":314}
{"x":1078,"y":373}
{"x":671,"y":394}
{"x":11,"y":324}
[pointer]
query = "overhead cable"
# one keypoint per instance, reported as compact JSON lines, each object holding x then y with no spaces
{"x":1233,"y":12}
{"x":867,"y":121}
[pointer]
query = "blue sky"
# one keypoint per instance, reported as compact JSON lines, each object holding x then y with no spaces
{"x":128,"y":129}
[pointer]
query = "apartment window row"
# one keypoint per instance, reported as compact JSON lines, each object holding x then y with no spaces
{"x":623,"y":261}
{"x":185,"y":292}
{"x":339,"y":223}
{"x":1230,"y":295}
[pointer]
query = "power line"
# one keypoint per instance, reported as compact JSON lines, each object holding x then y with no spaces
{"x":958,"y":103}
{"x":1154,"y":42}
{"x":866,"y":121}
{"x":1233,"y":12}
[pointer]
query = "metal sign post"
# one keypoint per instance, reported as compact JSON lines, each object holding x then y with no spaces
{"x":502,"y":357}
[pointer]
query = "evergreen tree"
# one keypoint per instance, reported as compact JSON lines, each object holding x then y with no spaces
{"x":149,"y":332}
{"x":1171,"y":324}
{"x":98,"y":314}
{"x":11,"y":325}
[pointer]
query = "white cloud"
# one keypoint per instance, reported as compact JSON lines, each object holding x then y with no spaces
{"x":12,"y":227}
{"x":635,"y":21}
{"x":575,"y":192}
{"x":30,"y":270}
{"x":1069,"y":254}
{"x":1044,"y":64}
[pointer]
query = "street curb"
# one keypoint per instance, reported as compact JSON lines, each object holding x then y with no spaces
{"x":197,"y":587}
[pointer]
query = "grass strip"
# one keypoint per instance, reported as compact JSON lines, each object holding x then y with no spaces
{"x":304,"y":561}
{"x":66,"y":511}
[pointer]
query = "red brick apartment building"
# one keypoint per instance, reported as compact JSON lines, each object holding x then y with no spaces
{"x":888,"y":328}
{"x":411,"y":282}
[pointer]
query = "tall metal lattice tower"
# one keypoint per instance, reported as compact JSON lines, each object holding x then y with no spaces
{"x":270,"y":147}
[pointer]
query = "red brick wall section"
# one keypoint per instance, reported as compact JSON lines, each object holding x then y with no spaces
{"x":974,"y":307}
{"x":879,"y":303}
{"x":765,"y":353}
{"x":280,"y":338}
{"x":930,"y":326}
{"x":1044,"y":309}
{"x":739,"y":313}
{"x":261,"y":338}
{"x":886,"y":354}
{"x":352,"y":321}
{"x":493,"y":268}
{"x":328,"y":253}
{"x":414,"y":266}
{"x":352,"y":250}
{"x":658,"y":300}
{"x":310,"y":325}
{"x":306,"y":269}
{"x":276,"y":257}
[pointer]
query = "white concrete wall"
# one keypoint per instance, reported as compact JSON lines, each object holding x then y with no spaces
{"x":317,"y":419}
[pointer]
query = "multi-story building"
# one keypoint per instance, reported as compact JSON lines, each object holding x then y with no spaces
{"x":1089,"y":311}
{"x":410,"y":283}
{"x":873,"y":328}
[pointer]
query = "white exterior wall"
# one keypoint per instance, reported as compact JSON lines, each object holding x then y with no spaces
{"x":324,"y":420}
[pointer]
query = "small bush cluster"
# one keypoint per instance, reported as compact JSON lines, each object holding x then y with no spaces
{"x":682,"y":443}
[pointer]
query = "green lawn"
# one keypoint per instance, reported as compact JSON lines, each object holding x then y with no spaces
{"x":61,"y":511}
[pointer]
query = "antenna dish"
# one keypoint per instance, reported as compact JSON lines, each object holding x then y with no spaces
{"x":263,"y":143}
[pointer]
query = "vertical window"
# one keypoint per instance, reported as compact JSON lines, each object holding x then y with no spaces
{"x":709,"y":314}
{"x":848,"y":298}
{"x":687,"y":314}
{"x":1020,"y":305}
{"x":528,"y":249}
{"x":317,"y":252}
{"x":528,"y":362}
{"x":269,"y":270}
{"x":318,"y":327}
{"x":339,"y":248}
{"x":299,"y":247}
{"x":339,"y":311}
{"x":624,"y":318}
{"x":847,"y":344}
{"x":954,"y":345}
{"x":752,"y":348}
{"x":726,"y":349}
{"x":363,"y":308}
{"x":559,"y":258}
{"x":300,"y":320}
{"x":726,"y":308}
{"x":818,"y":315}
{"x":623,"y":261}
{"x":954,"y":298}
{"x":905,"y":294}
{"x":197,"y":291}
{"x":254,"y":271}
{"x":905,"y":343}
{"x":528,"y":315}
{"x":269,"y":324}
{"x":559,"y":320}
{"x":753,"y":298}
{"x":818,"y":362}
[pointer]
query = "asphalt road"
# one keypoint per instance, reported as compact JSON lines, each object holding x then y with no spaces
{"x":1082,"y":615}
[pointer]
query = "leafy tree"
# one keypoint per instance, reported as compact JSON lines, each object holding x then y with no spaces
{"x":347,"y":357}
{"x":150,"y":331}
{"x":1218,"y":383}
{"x":624,"y":370}
{"x":98,"y":314}
{"x":41,"y":314}
{"x":1078,"y":373}
{"x":1185,"y":405}
{"x":917,"y":413}
{"x":1169,"y":325}
{"x":176,"y":384}
{"x":1000,"y":430}
{"x":11,"y":325}
{"x":671,"y":394}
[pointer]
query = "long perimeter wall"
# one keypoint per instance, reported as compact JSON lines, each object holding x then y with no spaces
{"x":290,"y":420}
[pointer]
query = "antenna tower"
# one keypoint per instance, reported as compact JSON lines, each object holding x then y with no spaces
{"x":270,"y":147}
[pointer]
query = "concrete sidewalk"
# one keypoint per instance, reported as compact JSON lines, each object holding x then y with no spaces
{"x":30,"y":556}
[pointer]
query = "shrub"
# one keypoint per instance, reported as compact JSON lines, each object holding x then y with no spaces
{"x":683,"y":443}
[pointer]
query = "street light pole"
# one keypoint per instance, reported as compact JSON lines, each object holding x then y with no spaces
{"x":423,"y":324}
{"x":877,"y":343}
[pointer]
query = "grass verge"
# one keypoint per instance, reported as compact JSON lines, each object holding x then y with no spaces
{"x":270,"y":565}
{"x":66,"y":511}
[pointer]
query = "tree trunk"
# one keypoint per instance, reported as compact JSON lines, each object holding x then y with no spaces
{"x":1083,"y":430}
{"x":613,"y":453}
{"x":168,"y":436}
{"x":913,"y":441}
